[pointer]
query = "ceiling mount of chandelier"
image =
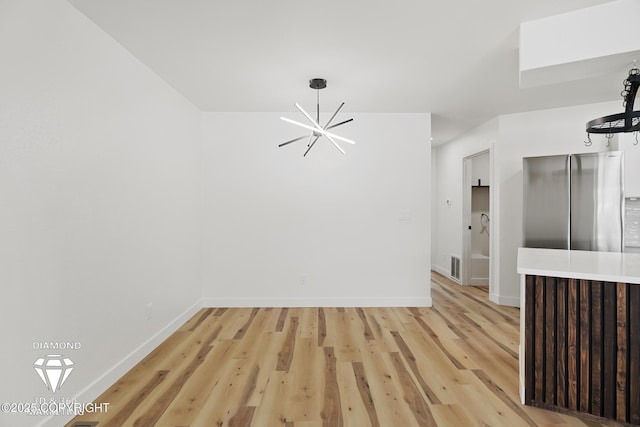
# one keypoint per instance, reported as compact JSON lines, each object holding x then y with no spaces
{"x":629,"y":121}
{"x":318,"y":131}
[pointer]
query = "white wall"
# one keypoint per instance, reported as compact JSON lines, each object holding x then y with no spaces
{"x":328,"y":229}
{"x":99,"y":188}
{"x":448,"y":185}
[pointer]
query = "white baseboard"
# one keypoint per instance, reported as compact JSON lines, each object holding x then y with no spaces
{"x":421,"y":301}
{"x":440,"y":270}
{"x":95,"y":389}
{"x":508,"y":301}
{"x":480,"y":281}
{"x":446,"y":273}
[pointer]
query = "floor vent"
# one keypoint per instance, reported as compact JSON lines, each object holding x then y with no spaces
{"x":85,"y":424}
{"x":455,"y":267}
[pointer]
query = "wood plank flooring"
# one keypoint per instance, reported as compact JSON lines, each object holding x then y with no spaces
{"x":454,"y":364}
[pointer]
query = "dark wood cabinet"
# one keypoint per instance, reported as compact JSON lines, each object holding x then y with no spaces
{"x":582,"y":347}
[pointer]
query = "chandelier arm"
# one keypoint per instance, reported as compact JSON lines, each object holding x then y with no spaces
{"x":335,"y":144}
{"x":302,"y":125}
{"x":333,"y":117}
{"x":338,"y":124}
{"x":313,"y":122}
{"x":292,"y":141}
{"x":311,"y":146}
{"x":339,"y":138}
{"x":318,"y":130}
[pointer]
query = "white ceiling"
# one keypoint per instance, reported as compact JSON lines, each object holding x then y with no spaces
{"x":456,"y":59}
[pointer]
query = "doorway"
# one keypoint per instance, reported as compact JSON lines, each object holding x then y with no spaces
{"x":476,"y":213}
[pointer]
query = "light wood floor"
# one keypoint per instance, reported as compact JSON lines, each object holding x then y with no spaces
{"x":455,"y":364}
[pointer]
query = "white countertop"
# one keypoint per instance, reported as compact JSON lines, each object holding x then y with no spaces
{"x":601,"y":266}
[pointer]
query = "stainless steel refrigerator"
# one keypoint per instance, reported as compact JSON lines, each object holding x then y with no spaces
{"x":574,"y":201}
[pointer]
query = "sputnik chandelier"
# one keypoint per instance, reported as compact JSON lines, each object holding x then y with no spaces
{"x":318,"y":131}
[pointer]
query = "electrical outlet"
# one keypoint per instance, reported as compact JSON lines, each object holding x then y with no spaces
{"x":148,"y":310}
{"x":303,"y":279}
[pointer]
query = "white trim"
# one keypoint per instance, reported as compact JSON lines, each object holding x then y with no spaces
{"x":465,"y":259}
{"x":440,"y":270}
{"x":444,"y":272}
{"x":110,"y":377}
{"x":508,"y":301}
{"x":480,"y":281}
{"x":417,"y":301}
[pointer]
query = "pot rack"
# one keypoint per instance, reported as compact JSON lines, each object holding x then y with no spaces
{"x":629,"y":121}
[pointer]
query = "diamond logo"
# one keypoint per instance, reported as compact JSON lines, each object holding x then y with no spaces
{"x":53,"y":369}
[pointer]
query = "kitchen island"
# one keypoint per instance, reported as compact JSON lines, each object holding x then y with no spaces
{"x":580,"y":333}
